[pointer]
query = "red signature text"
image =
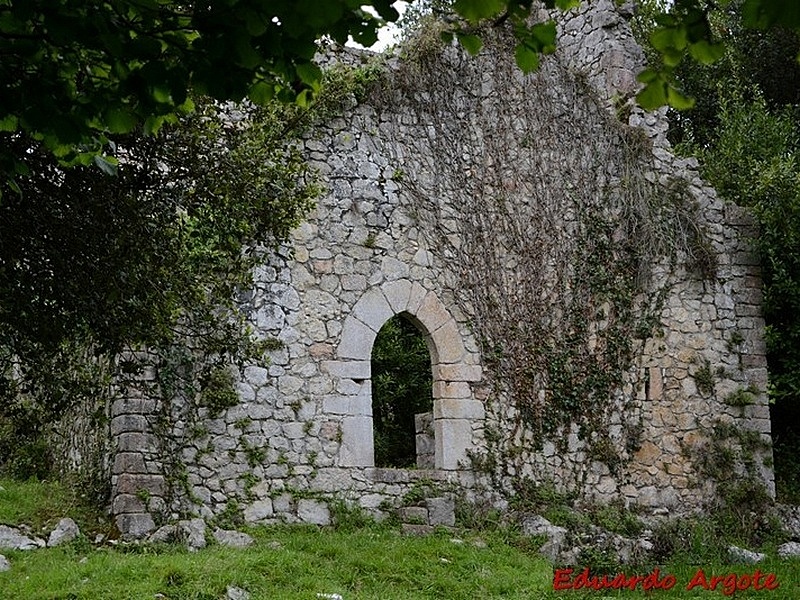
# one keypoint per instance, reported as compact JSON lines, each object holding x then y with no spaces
{"x":563,"y":580}
{"x":728,"y":585}
{"x":732,"y":582}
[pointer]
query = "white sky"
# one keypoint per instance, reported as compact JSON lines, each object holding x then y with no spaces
{"x":387,"y":35}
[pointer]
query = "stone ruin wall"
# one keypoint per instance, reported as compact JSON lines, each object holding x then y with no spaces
{"x":302,"y":433}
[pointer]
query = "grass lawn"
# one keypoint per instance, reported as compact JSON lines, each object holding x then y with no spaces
{"x":374,"y":562}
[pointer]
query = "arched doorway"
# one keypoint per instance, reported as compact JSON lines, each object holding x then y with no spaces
{"x":457,"y":414}
{"x":402,"y":399}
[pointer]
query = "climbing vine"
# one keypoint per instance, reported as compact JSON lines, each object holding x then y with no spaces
{"x":558,"y":239}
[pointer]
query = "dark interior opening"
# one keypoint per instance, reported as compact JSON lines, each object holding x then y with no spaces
{"x":401,"y":390}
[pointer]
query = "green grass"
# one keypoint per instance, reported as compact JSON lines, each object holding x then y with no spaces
{"x":293,"y":562}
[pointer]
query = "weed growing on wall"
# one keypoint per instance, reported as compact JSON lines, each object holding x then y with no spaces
{"x":558,"y":241}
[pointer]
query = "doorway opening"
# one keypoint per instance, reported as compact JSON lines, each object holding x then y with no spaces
{"x":402,"y":400}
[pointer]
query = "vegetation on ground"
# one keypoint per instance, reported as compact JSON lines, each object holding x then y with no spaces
{"x":359,"y":561}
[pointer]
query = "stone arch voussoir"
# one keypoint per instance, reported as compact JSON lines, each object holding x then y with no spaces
{"x":455,"y":408}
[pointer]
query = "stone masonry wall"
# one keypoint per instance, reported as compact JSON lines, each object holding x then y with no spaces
{"x":400,"y":171}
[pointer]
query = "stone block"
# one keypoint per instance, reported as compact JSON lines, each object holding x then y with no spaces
{"x":128,"y":462}
{"x":415,"y":298}
{"x":129,"y":423}
{"x":655,"y":383}
{"x":127,"y":503}
{"x":432,"y":313}
{"x":451,"y":389}
{"x":373,"y":309}
{"x":453,"y":439}
{"x":361,"y":405}
{"x":413,"y":514}
{"x":448,"y":345}
{"x":441,"y":511}
{"x":313,"y":511}
{"x":348,"y":369}
{"x":153,"y":485}
{"x":336,"y":405}
{"x":458,"y":372}
{"x":136,"y":442}
{"x":357,"y":340}
{"x":397,"y":294}
{"x":453,"y":408}
{"x":135,"y":526}
{"x":357,"y":448}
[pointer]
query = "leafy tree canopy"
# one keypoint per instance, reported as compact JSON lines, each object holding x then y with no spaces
{"x":74,"y":72}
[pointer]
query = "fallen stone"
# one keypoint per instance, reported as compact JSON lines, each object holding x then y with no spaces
{"x":537,"y":525}
{"x":66,"y":531}
{"x":4,"y":564}
{"x":414,"y":529}
{"x":789,"y":549}
{"x":233,"y":539}
{"x":237,"y":593}
{"x":789,"y":517}
{"x":194,"y":533}
{"x":12,"y":539}
{"x":164,"y":534}
{"x":748,"y":557}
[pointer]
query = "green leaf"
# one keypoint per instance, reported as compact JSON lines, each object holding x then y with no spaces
{"x":447,"y":38}
{"x":119,"y":120}
{"x":261,"y":93}
{"x":310,"y":74}
{"x":668,"y":38}
{"x":476,"y":10}
{"x":678,"y":100}
{"x":152,"y":124}
{"x":527,"y":59}
{"x":107,"y":164}
{"x":654,"y":95}
{"x":471,"y":43}
{"x":567,"y":4}
{"x":8,"y":123}
{"x":706,"y":52}
{"x":545,"y":36}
